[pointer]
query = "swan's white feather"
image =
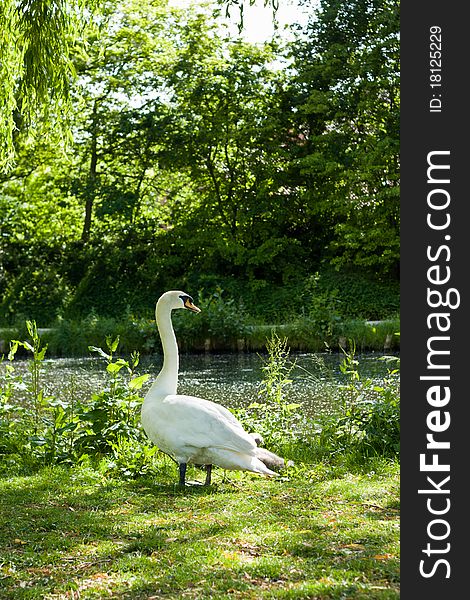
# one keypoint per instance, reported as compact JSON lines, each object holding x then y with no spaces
{"x":188,"y":428}
{"x":200,"y":431}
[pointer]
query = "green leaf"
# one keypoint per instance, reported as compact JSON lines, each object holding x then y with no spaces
{"x":13,"y":348}
{"x":112,"y":344}
{"x":27,"y":346}
{"x":137,"y":382}
{"x":114,"y":367}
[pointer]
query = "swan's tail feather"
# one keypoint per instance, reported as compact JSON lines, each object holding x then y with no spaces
{"x":270,"y":460}
{"x":258,"y":466}
{"x":258,"y":438}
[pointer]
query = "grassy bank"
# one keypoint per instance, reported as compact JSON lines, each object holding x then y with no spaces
{"x":78,"y":533}
{"x":200,"y":334}
{"x":326,"y":309}
{"x":91,"y":510}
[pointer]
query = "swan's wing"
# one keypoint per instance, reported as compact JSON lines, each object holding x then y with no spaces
{"x":202,"y":424}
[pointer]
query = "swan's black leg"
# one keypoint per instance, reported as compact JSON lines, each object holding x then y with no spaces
{"x":208,"y":475}
{"x":182,"y":467}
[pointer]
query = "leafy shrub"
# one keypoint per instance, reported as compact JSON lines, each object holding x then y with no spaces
{"x":113,"y":412}
{"x":359,"y":295}
{"x":37,"y":292}
{"x":220,"y":319}
{"x":368,"y":423}
{"x":273,"y":416}
{"x":43,"y":429}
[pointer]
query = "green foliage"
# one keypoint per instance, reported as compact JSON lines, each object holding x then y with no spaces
{"x":369,"y":421}
{"x":38,"y":420}
{"x":39,"y":293}
{"x":222,"y":320}
{"x":199,"y":164}
{"x":383,"y":335}
{"x":358,"y":295}
{"x":131,"y":458}
{"x":34,"y":388}
{"x":37,"y":41}
{"x":46,"y":429}
{"x":366,"y":425}
{"x":346,"y":100}
{"x":112,"y":413}
{"x":12,"y":421}
{"x":71,"y":337}
{"x":273,"y":416}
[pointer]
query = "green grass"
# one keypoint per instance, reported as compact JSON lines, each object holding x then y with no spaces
{"x":317,"y":533}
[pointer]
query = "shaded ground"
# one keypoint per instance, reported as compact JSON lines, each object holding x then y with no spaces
{"x":77,"y":534}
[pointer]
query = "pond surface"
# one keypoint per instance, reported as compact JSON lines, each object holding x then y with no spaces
{"x":230,"y":379}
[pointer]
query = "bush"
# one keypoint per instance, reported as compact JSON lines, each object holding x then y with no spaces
{"x":222,"y":321}
{"x":359,"y":295}
{"x":43,"y":429}
{"x":273,"y":416}
{"x":368,"y":423}
{"x":37,"y":293}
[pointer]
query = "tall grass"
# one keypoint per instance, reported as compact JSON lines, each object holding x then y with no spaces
{"x":365,"y":424}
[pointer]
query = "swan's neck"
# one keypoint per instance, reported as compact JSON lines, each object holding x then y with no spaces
{"x":167,"y":380}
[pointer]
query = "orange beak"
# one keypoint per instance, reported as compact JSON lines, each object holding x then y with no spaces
{"x":192,"y":307}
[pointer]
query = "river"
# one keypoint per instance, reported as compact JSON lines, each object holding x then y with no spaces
{"x":230,"y":379}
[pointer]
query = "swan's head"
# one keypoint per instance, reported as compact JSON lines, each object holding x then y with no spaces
{"x":178,"y":299}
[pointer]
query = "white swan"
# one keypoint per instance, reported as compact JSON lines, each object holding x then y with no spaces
{"x":192,"y":429}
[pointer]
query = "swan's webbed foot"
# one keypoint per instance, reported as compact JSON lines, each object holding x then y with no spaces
{"x":208,"y":475}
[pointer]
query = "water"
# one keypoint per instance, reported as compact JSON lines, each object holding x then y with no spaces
{"x":230,"y":379}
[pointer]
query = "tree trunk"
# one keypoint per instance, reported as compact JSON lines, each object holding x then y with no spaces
{"x":90,"y":190}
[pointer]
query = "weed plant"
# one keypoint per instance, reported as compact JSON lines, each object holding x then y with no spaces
{"x":42,"y":429}
{"x":368,"y":422}
{"x":273,"y":416}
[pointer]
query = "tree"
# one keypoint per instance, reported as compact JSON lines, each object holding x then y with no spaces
{"x":346,"y":103}
{"x":113,"y":128}
{"x":222,"y":122}
{"x":38,"y":42}
{"x":36,"y":45}
{"x":197,"y":162}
